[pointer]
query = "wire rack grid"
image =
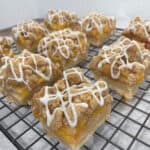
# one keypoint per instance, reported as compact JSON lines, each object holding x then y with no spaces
{"x":128,"y":127}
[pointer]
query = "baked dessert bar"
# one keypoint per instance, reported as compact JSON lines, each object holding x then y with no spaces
{"x":24,"y":74}
{"x":98,"y":28}
{"x":73,"y":108}
{"x":66,"y":47}
{"x":6,"y":47}
{"x":124,"y":65}
{"x":60,"y":19}
{"x":27,"y":35}
{"x":139,"y":29}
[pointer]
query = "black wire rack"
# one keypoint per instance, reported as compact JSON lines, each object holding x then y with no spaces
{"x":128,"y":127}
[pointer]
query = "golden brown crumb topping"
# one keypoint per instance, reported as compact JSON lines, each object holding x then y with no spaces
{"x":64,"y":46}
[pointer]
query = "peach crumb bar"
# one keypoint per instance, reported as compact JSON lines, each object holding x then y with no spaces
{"x":73,"y":108}
{"x":24,"y":74}
{"x":66,"y":47}
{"x":124,"y":65}
{"x":60,"y":19}
{"x":28,"y":34}
{"x":98,"y":27}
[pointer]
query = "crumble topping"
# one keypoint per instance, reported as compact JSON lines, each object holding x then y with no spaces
{"x":64,"y":45}
{"x":61,"y":17}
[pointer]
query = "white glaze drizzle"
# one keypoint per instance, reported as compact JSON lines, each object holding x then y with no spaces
{"x":80,"y":89}
{"x":25,"y":55}
{"x":94,"y":21}
{"x":61,"y":15}
{"x":26,"y":28}
{"x":122,"y":56}
{"x":63,"y":40}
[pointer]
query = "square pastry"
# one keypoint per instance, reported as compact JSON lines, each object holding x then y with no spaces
{"x":24,"y":74}
{"x":6,"y":46}
{"x":124,"y":65}
{"x":139,"y":29}
{"x":73,"y":108}
{"x":66,"y":47}
{"x":60,"y":19}
{"x":28,"y":34}
{"x":98,"y":28}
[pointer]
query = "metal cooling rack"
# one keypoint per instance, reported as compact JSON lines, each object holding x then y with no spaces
{"x":127,"y":129}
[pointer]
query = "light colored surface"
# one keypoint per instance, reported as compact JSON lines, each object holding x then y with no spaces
{"x":16,"y":11}
{"x":5,"y":143}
